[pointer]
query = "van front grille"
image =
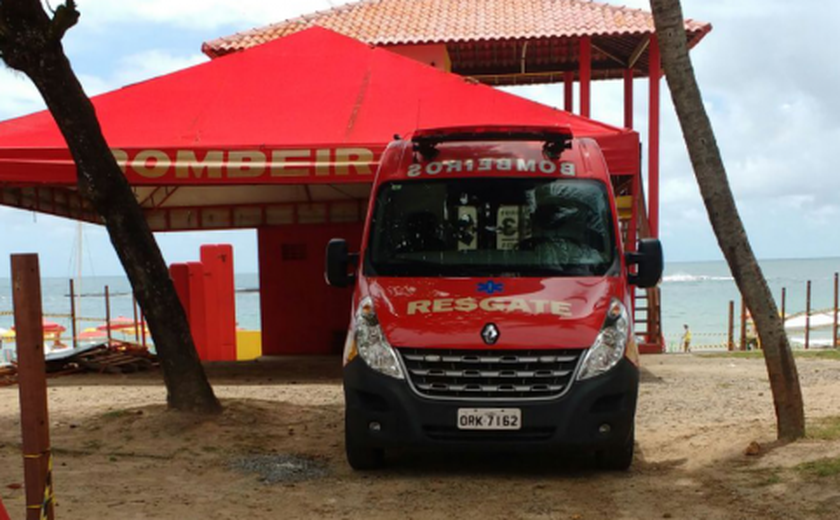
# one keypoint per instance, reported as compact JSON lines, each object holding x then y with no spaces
{"x":490,"y":374}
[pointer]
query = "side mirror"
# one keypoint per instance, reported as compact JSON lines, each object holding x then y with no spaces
{"x":648,"y":261}
{"x":338,"y":260}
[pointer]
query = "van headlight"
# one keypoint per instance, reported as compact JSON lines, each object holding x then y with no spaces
{"x":368,"y":342}
{"x":610,"y":344}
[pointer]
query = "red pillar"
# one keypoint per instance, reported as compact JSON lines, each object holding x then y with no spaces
{"x":655,"y":73}
{"x":585,"y":75}
{"x":3,"y":514}
{"x":628,"y":98}
{"x":212,"y":314}
{"x":633,"y":230}
{"x":198,"y":309}
{"x":569,"y":91}
{"x":218,"y":263}
{"x":180,"y":277}
{"x":189,"y":284}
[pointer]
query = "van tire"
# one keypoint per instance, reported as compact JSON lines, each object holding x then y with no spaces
{"x":360,"y":455}
{"x":619,"y":458}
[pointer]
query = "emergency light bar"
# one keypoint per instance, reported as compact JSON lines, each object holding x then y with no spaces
{"x":555,"y":138}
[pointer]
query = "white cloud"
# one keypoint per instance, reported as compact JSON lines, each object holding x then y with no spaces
{"x":149,"y":64}
{"x":769,"y":89}
{"x":138,"y":67}
{"x":18,"y":95}
{"x":203,"y":14}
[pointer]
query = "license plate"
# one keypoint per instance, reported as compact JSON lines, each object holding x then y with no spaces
{"x":489,"y":418}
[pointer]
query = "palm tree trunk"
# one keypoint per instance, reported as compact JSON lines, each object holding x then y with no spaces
{"x":726,"y":222}
{"x":30,"y":41}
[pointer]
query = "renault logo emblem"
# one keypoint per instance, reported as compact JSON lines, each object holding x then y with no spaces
{"x":490,"y":334}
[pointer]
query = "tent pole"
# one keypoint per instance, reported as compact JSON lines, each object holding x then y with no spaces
{"x":568,"y":91}
{"x":585,"y":75}
{"x":628,"y":98}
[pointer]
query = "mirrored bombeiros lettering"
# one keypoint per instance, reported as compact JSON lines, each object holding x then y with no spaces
{"x":486,"y":164}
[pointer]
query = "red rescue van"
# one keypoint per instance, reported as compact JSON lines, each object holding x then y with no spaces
{"x":492,"y":303}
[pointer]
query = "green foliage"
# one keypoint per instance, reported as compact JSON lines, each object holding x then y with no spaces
{"x":822,"y":468}
{"x":827,"y":429}
{"x":765,"y":477}
{"x":831,"y":354}
{"x":115,"y":414}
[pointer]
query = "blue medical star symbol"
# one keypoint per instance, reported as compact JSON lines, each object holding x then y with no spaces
{"x":490,"y":287}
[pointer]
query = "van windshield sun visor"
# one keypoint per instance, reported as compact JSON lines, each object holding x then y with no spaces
{"x":554,"y":139}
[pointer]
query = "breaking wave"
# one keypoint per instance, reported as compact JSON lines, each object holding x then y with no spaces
{"x":684,"y":277}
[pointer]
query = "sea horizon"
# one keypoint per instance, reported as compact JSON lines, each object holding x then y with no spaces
{"x":694,"y":293}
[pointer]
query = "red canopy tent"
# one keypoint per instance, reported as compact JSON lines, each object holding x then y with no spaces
{"x":283,"y":137}
{"x":315,"y":89}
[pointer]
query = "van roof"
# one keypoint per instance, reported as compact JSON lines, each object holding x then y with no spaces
{"x":497,"y":151}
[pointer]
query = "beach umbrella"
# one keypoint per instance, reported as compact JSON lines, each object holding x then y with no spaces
{"x":120,"y":322}
{"x":47,"y":326}
{"x":51,"y":326}
{"x":92,"y":334}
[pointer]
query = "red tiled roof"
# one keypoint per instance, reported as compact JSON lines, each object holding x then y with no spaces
{"x":393,"y":22}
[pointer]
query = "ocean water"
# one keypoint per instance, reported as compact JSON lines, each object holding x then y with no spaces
{"x":91,"y":305}
{"x":693,"y":293}
{"x":698,"y":294}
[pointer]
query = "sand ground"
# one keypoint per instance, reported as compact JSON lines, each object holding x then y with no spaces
{"x":120,"y":454}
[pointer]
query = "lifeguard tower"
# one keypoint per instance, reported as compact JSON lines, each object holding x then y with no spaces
{"x":504,"y":43}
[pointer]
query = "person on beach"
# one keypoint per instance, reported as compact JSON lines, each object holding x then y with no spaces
{"x":686,"y":339}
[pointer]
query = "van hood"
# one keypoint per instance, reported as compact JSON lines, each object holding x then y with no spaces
{"x":528,"y":312}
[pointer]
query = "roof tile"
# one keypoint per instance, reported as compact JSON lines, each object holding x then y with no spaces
{"x":384,"y":22}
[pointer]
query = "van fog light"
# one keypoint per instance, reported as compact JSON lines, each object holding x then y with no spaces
{"x":374,"y":426}
{"x":604,"y":429}
{"x":608,"y":348}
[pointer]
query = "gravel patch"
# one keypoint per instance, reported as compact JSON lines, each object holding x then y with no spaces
{"x":281,"y":468}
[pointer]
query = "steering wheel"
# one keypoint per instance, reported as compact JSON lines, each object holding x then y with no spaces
{"x":531,"y":243}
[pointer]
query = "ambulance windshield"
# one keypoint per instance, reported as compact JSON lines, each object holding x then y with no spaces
{"x":491,"y":227}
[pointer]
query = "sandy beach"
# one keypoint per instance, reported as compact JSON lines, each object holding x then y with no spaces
{"x":120,"y":454}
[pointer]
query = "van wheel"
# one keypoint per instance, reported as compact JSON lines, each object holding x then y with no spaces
{"x":360,"y":455}
{"x":619,"y":458}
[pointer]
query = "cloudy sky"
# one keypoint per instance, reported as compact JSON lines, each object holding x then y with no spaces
{"x":769,"y":85}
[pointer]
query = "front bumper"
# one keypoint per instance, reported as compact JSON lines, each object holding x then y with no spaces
{"x":573,"y":420}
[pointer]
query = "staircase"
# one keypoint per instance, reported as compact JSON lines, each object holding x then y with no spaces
{"x":647,"y":303}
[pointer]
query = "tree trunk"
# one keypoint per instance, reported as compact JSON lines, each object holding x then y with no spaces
{"x":30,"y":41}
{"x":726,"y":222}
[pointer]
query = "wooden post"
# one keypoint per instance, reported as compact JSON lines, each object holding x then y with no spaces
{"x":730,"y":341}
{"x":32,"y":377}
{"x":807,"y":314}
{"x":142,"y":328}
{"x":834,"y":326}
{"x":136,"y":323}
{"x":784,"y":297}
{"x":108,"y":314}
{"x":743,"y":325}
{"x":73,"y":313}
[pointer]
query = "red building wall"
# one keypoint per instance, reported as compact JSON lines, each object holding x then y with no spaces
{"x":300,"y":313}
